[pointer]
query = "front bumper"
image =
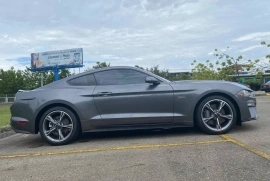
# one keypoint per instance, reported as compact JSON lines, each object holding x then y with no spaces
{"x":253,"y":113}
{"x":248,"y":109}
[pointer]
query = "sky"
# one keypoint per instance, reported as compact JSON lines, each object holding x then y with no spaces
{"x":167,"y":33}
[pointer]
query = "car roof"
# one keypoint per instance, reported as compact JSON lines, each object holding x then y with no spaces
{"x":106,"y":68}
{"x":62,"y":81}
{"x":102,"y":69}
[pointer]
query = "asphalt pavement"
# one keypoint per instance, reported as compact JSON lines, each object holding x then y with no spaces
{"x":177,"y":154}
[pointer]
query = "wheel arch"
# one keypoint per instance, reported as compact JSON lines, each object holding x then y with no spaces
{"x":238,"y":120}
{"x":51,"y":105}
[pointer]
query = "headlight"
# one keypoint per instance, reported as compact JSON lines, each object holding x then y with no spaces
{"x":245,"y":93}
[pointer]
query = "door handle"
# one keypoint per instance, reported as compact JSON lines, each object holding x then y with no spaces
{"x":103,"y":93}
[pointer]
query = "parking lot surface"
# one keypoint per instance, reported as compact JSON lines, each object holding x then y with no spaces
{"x":177,"y":154}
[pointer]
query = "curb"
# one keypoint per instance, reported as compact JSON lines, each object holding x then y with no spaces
{"x":6,"y":134}
{"x":261,"y":95}
{"x":6,"y":131}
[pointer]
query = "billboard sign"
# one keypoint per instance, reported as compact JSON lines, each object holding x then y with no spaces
{"x":69,"y":57}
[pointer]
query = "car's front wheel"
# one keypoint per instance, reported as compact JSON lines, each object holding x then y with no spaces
{"x":58,"y":126}
{"x":216,"y":115}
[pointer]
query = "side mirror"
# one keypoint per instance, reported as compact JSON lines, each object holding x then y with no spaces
{"x":151,"y":80}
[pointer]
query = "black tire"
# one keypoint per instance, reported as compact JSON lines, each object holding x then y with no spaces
{"x":208,"y":126}
{"x":73,"y":134}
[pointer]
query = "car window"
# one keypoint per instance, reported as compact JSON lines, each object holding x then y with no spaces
{"x":120,"y":77}
{"x":86,"y":80}
{"x":267,"y":82}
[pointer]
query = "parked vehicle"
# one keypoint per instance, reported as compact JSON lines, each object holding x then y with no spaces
{"x":125,"y":98}
{"x":266,"y":87}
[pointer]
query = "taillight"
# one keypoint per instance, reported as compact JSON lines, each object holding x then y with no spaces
{"x":22,"y":122}
{"x":269,"y":85}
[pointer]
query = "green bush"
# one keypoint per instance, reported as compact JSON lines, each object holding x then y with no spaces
{"x":254,"y":84}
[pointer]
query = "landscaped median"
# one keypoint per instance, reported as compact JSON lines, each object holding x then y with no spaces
{"x":4,"y":117}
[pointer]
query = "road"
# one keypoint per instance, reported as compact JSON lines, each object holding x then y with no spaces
{"x":178,"y":154}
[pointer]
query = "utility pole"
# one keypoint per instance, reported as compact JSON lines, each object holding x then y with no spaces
{"x":41,"y":79}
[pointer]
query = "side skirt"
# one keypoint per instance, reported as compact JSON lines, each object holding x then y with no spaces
{"x":142,"y":127}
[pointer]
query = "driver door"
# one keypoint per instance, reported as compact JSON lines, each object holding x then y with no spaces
{"x":123,"y":97}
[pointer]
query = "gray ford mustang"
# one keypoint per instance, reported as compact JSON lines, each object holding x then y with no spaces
{"x":125,"y":98}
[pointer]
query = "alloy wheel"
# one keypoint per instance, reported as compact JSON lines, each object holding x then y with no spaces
{"x":217,"y":115}
{"x":57,"y":126}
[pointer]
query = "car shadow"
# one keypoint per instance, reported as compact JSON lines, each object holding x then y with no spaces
{"x":137,"y":134}
{"x":35,"y":141}
{"x":245,"y":127}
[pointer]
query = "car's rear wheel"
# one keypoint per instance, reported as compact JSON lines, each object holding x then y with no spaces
{"x":216,"y":115}
{"x":59,"y":126}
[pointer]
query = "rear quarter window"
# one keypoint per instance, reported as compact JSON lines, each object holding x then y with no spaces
{"x":120,"y":77}
{"x":85,"y":80}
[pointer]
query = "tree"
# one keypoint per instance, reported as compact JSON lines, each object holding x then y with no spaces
{"x":265,"y":65}
{"x":49,"y":77}
{"x":11,"y":81}
{"x":137,"y":66}
{"x":64,"y":73}
{"x":165,"y":73}
{"x":180,"y":76}
{"x":224,"y":68}
{"x":231,"y":65}
{"x":162,"y":73}
{"x":31,"y":80}
{"x":203,"y":71}
{"x":101,"y":65}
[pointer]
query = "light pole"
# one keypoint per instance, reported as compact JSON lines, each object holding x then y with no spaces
{"x":41,"y":79}
{"x":0,"y":85}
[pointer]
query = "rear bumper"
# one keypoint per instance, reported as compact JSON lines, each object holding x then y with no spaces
{"x":22,"y":117}
{"x":20,"y":131}
{"x":18,"y":127}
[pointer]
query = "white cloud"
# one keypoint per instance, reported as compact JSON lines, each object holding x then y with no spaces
{"x":7,"y":64}
{"x":147,"y":32}
{"x":254,"y":36}
{"x":250,"y":48}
